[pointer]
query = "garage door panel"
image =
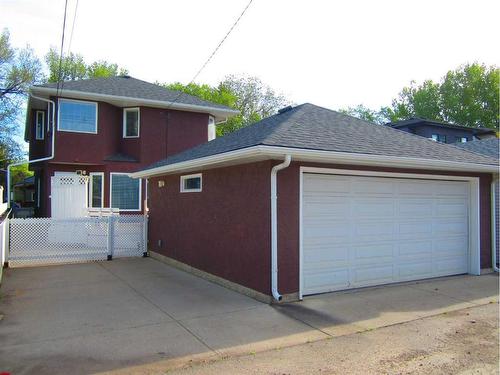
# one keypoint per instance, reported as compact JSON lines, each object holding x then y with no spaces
{"x":449,"y":227}
{"x":372,"y":230}
{"x":451,"y":207}
{"x":373,"y":252}
{"x":415,"y":270}
{"x":374,"y":207}
{"x":324,"y":184}
{"x":415,"y":248}
{"x":372,"y":275}
{"x":318,"y":282}
{"x":368,"y":186}
{"x":414,"y":208}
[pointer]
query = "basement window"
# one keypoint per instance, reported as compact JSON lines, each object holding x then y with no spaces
{"x":191,"y":183}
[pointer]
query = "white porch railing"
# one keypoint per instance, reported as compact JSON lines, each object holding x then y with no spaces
{"x":37,"y":241}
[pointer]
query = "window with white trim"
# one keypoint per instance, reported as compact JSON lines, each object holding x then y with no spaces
{"x":125,"y":192}
{"x":131,"y":122}
{"x":191,"y":183}
{"x":39,"y":125}
{"x":96,"y":190}
{"x":211,"y":128}
{"x":77,"y":116}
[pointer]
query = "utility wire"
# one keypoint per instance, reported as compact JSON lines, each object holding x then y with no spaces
{"x":70,"y":38}
{"x":72,"y":27}
{"x":62,"y":47}
{"x":214,"y":52}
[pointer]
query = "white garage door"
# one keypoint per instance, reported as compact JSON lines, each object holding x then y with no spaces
{"x":363,"y":231}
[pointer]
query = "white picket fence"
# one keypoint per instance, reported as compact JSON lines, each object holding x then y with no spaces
{"x":38,"y":241}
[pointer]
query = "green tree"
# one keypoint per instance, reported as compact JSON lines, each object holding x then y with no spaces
{"x":19,"y":69}
{"x":249,"y":95}
{"x":19,"y":173}
{"x":73,"y":67}
{"x":364,"y":113}
{"x":468,"y":95}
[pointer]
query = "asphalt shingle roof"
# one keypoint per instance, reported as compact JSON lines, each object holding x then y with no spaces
{"x":130,"y":87}
{"x":489,"y":147}
{"x":311,"y":127}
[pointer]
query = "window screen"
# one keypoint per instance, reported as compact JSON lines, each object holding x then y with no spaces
{"x":131,"y":119}
{"x":125,"y":192}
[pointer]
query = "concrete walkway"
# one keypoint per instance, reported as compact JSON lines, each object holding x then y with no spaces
{"x":142,"y":315}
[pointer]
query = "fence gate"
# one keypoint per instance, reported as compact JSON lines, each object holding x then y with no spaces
{"x":38,"y":241}
{"x":68,"y":195}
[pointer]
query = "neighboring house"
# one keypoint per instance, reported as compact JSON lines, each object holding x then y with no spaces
{"x":442,"y":131}
{"x":105,"y":128}
{"x":311,"y":200}
{"x":489,"y":147}
{"x":24,"y":192}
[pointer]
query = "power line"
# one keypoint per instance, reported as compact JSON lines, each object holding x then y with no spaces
{"x":214,"y":51}
{"x":70,"y":38}
{"x":62,"y":47}
{"x":72,"y":27}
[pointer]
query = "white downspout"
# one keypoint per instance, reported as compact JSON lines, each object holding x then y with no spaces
{"x":274,"y":226}
{"x":48,"y":101}
{"x":493,"y":224}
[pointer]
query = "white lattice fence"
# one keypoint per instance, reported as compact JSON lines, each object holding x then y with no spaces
{"x":48,"y":240}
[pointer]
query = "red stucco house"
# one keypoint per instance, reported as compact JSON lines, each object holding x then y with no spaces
{"x":105,"y":128}
{"x":310,"y":200}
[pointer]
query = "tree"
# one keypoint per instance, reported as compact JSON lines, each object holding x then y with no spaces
{"x":364,"y":113}
{"x":254,"y":99}
{"x":73,"y":67}
{"x":465,"y":96}
{"x":19,"y":69}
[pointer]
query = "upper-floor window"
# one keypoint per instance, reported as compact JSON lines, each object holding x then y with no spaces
{"x":462,"y":139}
{"x":77,"y":116}
{"x":211,"y":128}
{"x":40,"y":125}
{"x":439,"y":138}
{"x":131,"y":122}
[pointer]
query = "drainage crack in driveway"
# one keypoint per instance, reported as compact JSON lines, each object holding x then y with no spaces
{"x":161,"y":310}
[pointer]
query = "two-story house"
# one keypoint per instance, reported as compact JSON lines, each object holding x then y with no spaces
{"x":103,"y":129}
{"x":441,"y":131}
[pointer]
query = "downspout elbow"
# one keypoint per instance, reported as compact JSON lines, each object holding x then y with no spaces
{"x":274,"y":226}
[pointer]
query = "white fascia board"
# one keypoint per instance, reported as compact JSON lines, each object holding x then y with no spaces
{"x":218,"y":112}
{"x":273,"y":152}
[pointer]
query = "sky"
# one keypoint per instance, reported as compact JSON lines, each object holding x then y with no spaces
{"x":331,"y":53}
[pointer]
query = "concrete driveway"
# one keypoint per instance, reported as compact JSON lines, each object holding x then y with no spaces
{"x":140,"y":315}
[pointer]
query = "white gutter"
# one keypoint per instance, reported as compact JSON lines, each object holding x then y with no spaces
{"x":48,"y":101}
{"x":274,"y":225}
{"x":317,"y":156}
{"x":493,"y":225}
{"x":140,"y":101}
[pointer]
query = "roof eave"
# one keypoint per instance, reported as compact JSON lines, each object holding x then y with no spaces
{"x":274,"y":152}
{"x":221,"y":113}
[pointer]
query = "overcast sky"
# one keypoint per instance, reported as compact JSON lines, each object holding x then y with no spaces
{"x":330,"y":53}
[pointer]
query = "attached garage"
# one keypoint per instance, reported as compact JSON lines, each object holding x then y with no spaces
{"x":360,"y":230}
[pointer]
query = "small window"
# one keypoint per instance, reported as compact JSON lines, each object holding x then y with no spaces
{"x":131,"y":118}
{"x":77,"y":116}
{"x":439,"y":138}
{"x":96,"y":190}
{"x":40,"y":125}
{"x":191,"y":183}
{"x":125,"y":192}
{"x":462,"y":139}
{"x":211,"y":128}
